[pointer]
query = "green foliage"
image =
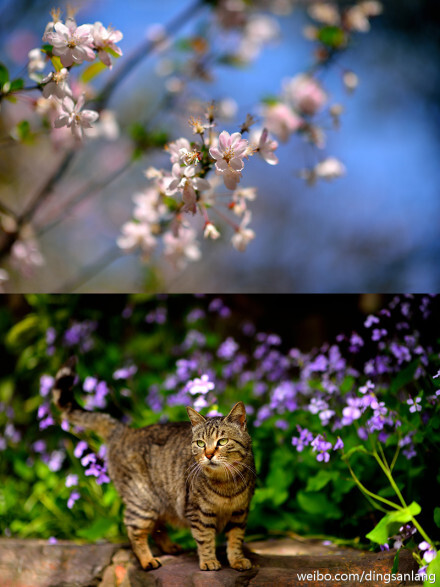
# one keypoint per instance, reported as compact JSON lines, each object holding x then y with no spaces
{"x":392,"y":521}
{"x":294,"y":492}
{"x":145,"y":139}
{"x":332,"y":36}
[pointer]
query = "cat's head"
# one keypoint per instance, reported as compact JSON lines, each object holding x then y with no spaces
{"x":220,"y":444}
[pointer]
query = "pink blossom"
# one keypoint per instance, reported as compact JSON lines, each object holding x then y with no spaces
{"x":305,"y":94}
{"x":72,"y":44}
{"x":176,"y":147}
{"x":136,"y":235}
{"x":243,"y":235}
{"x":181,"y":247}
{"x":229,"y":157}
{"x":210,"y":231}
{"x":183,"y":180}
{"x":56,"y":84}
{"x":266,"y":148}
{"x":104,"y":40}
{"x":73,"y":118}
{"x":281,"y":121}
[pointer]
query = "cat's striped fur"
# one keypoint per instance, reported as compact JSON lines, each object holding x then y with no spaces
{"x":175,"y":473}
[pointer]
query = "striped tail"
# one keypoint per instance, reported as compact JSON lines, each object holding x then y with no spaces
{"x":63,"y":398}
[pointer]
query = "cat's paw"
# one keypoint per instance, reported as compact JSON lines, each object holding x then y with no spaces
{"x":152,"y":563}
{"x":241,"y":564}
{"x":210,"y":565}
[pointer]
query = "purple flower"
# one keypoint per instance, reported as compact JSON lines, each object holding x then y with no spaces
{"x":338,"y":444}
{"x":429,"y":552}
{"x":56,"y":460}
{"x":415,"y":404}
{"x":194,"y":315}
{"x":52,"y":540}
{"x":200,"y":385}
{"x":378,"y":333}
{"x":369,"y":386}
{"x":305,"y":438}
{"x":282,"y":424}
{"x":194,"y":338}
{"x":46,"y":384}
{"x":71,"y":480}
{"x":159,"y":316}
{"x":248,"y":329}
{"x":46,"y":422}
{"x":89,"y":384}
{"x":401,"y":352}
{"x":263,"y":414}
{"x":80,"y":448}
{"x":125,"y":372}
{"x":39,"y":446}
{"x":227,"y":349}
{"x":371,"y":320}
{"x":316,"y":405}
{"x":89,"y":458}
{"x":351,"y":412}
{"x":356,"y":342}
{"x":74,"y":496}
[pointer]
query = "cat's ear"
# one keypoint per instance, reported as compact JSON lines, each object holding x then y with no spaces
{"x":195,"y":417}
{"x":237,"y":415}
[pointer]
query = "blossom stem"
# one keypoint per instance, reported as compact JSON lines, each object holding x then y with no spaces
{"x":234,"y":225}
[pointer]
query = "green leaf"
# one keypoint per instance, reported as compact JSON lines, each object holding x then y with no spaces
{"x":352,"y":451}
{"x":23,"y":332}
{"x":332,"y":36}
{"x":437,"y":517}
{"x":433,"y":570}
{"x":391,"y":522}
{"x":395,"y":563}
{"x":23,"y":131}
{"x":23,"y":471}
{"x":92,"y":71}
{"x":97,"y":530}
{"x":16,"y":84}
{"x":404,"y":377}
{"x":4,"y":74}
{"x":320,"y":480}
{"x":318,"y":504}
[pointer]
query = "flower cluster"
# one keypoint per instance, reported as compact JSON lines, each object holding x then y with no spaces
{"x":68,"y":45}
{"x":186,"y":190}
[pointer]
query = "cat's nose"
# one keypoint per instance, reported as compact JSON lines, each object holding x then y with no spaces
{"x":209,"y":455}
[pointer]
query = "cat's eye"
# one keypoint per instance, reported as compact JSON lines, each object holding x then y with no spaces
{"x":201,"y":444}
{"x":223,"y":441}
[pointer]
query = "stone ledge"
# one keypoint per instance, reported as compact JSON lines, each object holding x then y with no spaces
{"x":35,"y":563}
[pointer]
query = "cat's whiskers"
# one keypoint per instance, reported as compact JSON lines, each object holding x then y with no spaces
{"x":193,"y":474}
{"x":247,"y":467}
{"x":238,"y":472}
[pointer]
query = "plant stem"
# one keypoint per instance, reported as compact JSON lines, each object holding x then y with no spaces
{"x":370,"y":493}
{"x":400,"y":496}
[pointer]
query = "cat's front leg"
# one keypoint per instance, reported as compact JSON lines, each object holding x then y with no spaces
{"x":234,"y":546}
{"x":203,"y":529}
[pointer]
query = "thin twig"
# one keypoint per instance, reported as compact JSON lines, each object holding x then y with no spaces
{"x":91,"y":270}
{"x":140,"y":53}
{"x":144,"y":49}
{"x":83,"y":194}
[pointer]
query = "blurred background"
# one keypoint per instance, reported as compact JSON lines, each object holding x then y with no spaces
{"x":373,"y":230}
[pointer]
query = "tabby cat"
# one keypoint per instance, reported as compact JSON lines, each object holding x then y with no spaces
{"x":198,"y":474}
